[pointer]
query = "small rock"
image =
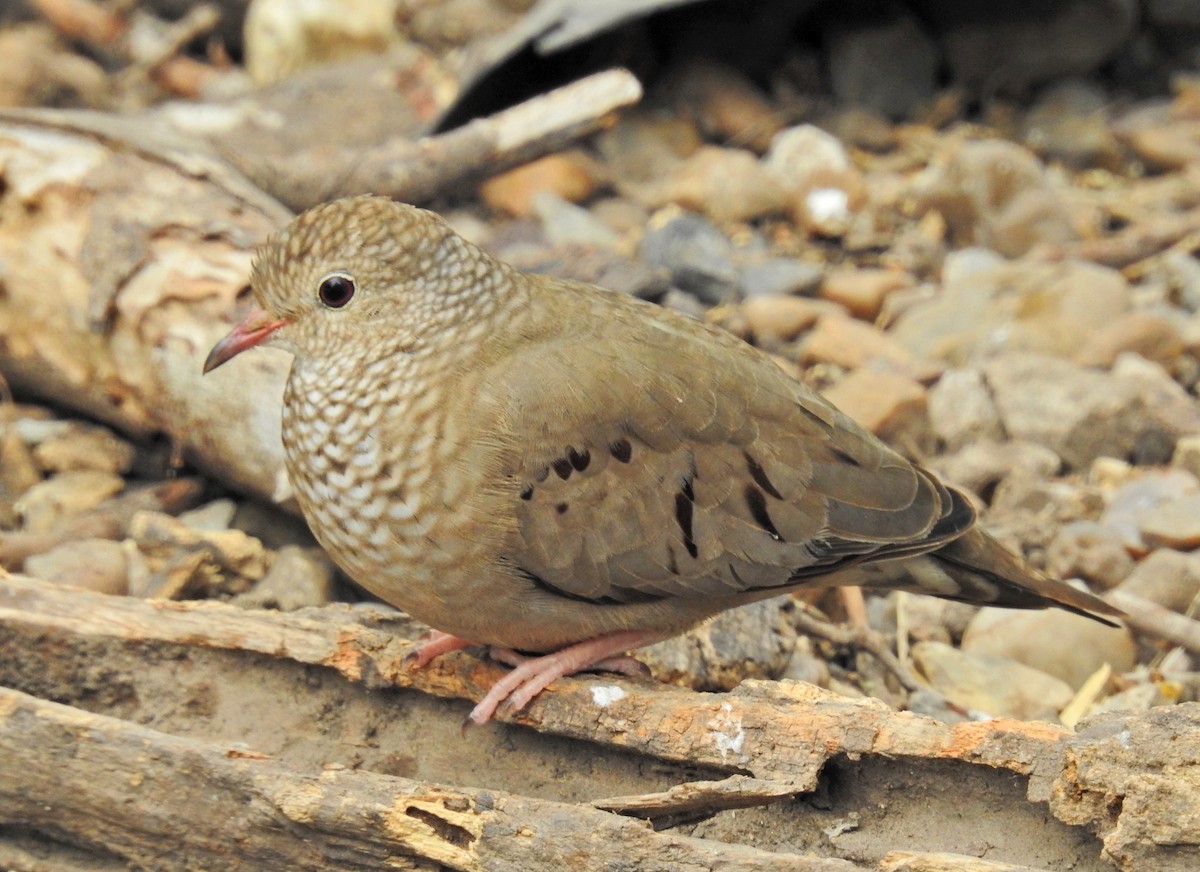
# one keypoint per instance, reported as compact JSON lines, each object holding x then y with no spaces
{"x":961,"y":410}
{"x":982,"y":466}
{"x":182,"y":562}
{"x":647,"y":145}
{"x":990,"y":685}
{"x":1091,"y":551}
{"x":753,"y":641}
{"x":96,"y":564}
{"x":781,"y":318}
{"x":851,"y":344}
{"x":1149,"y":334}
{"x":830,"y":203}
{"x":68,"y":493}
{"x":1058,"y":643}
{"x":1187,"y":455}
{"x":210,"y":517}
{"x":573,"y":176}
{"x":780,"y":275}
{"x":450,"y":26}
{"x":1079,"y":413}
{"x":621,"y":215}
{"x":931,"y":618}
{"x":1160,"y":138}
{"x":84,"y":447}
{"x":1131,"y":501}
{"x":799,"y":153}
{"x":889,"y":405}
{"x":1173,"y":524}
{"x":299,"y":578}
{"x":1036,"y":507}
{"x":806,"y":666}
{"x":282,"y":37}
{"x":961,"y":265}
{"x":697,"y":255}
{"x":726,"y":184}
{"x":1181,"y":271}
{"x":1166,"y":577}
{"x":567,"y":224}
{"x":996,"y":194}
{"x":1018,"y":306}
{"x":863,"y":291}
{"x":1171,"y":411}
{"x":18,"y":471}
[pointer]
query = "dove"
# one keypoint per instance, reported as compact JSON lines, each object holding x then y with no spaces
{"x":565,"y":473}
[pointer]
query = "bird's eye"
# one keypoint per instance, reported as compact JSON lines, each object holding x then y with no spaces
{"x":336,"y":290}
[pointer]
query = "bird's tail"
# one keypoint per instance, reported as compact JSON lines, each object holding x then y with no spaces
{"x":991,"y":574}
{"x":975,"y":568}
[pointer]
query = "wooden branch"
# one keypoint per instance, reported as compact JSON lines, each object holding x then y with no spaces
{"x":776,"y":731}
{"x":775,"y":739}
{"x":127,"y":249}
{"x":1155,"y":621}
{"x":417,"y":171}
{"x":126,"y":787}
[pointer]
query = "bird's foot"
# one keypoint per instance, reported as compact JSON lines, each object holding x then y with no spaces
{"x":434,"y":644}
{"x":532,"y":675}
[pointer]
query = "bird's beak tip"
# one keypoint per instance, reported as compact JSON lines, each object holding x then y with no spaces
{"x":254,"y":329}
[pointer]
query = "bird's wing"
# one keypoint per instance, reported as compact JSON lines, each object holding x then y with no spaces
{"x":661,"y":458}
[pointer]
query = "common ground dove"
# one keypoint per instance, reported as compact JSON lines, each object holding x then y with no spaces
{"x":558,"y":470}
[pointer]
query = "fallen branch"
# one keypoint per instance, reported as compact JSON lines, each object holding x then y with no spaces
{"x":246,"y":811}
{"x":417,"y":171}
{"x":776,"y":738}
{"x":781,"y":731}
{"x":1153,"y":620}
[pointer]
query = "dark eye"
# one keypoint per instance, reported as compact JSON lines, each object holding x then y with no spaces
{"x":336,"y":290}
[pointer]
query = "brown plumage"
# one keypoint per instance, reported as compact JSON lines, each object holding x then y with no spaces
{"x":549,"y":467}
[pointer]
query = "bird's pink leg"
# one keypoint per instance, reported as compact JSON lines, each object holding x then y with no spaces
{"x":621,"y":663}
{"x":434,"y":644}
{"x":533,"y":675}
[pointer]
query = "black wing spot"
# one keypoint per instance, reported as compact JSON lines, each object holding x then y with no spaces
{"x":843,"y":456}
{"x":814,"y":417}
{"x":561,"y":508}
{"x":621,"y":449}
{"x":757,"y":503}
{"x":527,"y":492}
{"x":542,"y":474}
{"x":579,"y":459}
{"x":760,"y":476}
{"x":683,"y":515}
{"x":686,"y":490}
{"x":672,"y":563}
{"x":562,"y":468}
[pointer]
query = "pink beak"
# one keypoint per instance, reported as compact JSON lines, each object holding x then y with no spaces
{"x":254,"y":329}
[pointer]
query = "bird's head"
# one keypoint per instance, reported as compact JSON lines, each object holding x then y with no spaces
{"x":361,"y":274}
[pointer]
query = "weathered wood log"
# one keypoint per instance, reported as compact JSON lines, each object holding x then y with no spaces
{"x":217,"y":674}
{"x":127,"y":247}
{"x":162,"y":802}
